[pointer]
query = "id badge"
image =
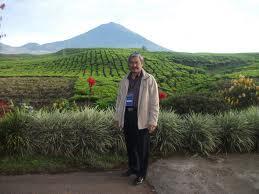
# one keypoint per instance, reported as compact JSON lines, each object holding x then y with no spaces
{"x":129,"y":100}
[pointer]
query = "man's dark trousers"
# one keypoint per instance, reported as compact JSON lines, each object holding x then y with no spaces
{"x":137,"y":142}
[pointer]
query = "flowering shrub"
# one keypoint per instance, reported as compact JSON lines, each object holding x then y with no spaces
{"x":91,"y":82}
{"x":241,"y":93}
{"x":63,"y":104}
{"x":26,"y":107}
{"x":162,"y":95}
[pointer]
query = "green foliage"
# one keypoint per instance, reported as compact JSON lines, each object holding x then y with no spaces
{"x":251,"y":115}
{"x":118,"y":142}
{"x":212,"y":60}
{"x":235,"y":131}
{"x":13,"y":165}
{"x":64,"y":104}
{"x":107,"y":66}
{"x":84,"y":99}
{"x":201,"y":134}
{"x":93,"y":131}
{"x":88,"y":133}
{"x":195,"y":102}
{"x":169,"y":137}
{"x":13,"y":133}
{"x":175,"y":72}
{"x":69,"y":133}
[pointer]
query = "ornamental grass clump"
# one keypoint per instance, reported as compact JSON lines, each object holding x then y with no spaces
{"x":201,"y":133}
{"x":14,"y":133}
{"x":235,"y":133}
{"x":169,"y":135}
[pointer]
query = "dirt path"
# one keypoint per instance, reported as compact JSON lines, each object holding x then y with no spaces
{"x":109,"y":182}
{"x":232,"y":174}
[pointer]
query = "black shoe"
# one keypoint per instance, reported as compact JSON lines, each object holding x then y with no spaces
{"x":139,"y":180}
{"x":127,"y":173}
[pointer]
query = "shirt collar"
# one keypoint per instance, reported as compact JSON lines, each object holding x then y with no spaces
{"x":144,"y":73}
{"x":138,"y":76}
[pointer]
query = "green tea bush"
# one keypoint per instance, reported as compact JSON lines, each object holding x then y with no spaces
{"x":198,"y":103}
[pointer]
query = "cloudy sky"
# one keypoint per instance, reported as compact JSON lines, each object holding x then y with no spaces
{"x":180,"y":25}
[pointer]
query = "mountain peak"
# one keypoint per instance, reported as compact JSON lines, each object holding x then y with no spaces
{"x":111,"y":26}
{"x":112,"y":23}
{"x":108,"y":35}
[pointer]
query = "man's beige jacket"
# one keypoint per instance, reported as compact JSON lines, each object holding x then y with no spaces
{"x":148,"y":102}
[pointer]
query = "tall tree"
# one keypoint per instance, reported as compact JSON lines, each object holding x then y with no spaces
{"x":2,"y":7}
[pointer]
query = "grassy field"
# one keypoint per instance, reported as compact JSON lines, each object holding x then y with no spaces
{"x":13,"y":165}
{"x":175,"y":72}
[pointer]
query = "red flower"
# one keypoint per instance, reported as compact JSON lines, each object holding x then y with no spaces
{"x":91,"y":81}
{"x":162,"y":95}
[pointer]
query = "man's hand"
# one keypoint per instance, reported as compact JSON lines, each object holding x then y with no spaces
{"x":151,"y":128}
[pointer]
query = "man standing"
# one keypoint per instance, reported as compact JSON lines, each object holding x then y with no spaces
{"x":137,"y":109}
